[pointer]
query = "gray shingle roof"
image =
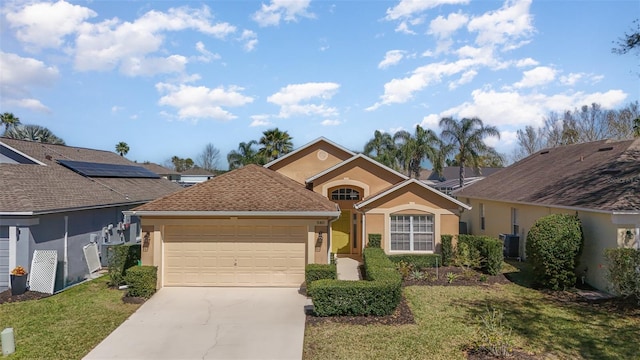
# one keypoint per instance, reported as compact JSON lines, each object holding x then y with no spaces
{"x":158,"y":169}
{"x":52,"y":187}
{"x":602,"y":175}
{"x":251,"y":188}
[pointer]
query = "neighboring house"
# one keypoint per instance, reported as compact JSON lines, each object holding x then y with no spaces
{"x":259,"y":226}
{"x":194,"y":176}
{"x":162,"y":171}
{"x":56,"y":197}
{"x":449,"y":180}
{"x":597,"y":181}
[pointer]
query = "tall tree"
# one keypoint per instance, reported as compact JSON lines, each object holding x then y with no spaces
{"x":245,"y":155}
{"x":122,"y":148}
{"x":630,"y":40}
{"x":33,"y":133}
{"x":180,"y":164}
{"x":209,"y":157}
{"x":382,"y":149}
{"x":636,"y":127}
{"x":275,"y":143}
{"x":9,"y":121}
{"x":530,"y":140}
{"x":468,"y":137}
{"x":416,"y":147}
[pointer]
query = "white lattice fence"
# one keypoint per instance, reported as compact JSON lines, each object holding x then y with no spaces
{"x":43,"y":271}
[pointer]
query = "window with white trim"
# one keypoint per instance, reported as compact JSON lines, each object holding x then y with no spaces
{"x":345,"y":194}
{"x":412,"y":232}
{"x":515,"y":227}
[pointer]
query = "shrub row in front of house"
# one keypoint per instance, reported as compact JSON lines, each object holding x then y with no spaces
{"x":418,"y":261}
{"x":487,"y":249}
{"x":141,"y":281}
{"x":313,"y":272}
{"x":378,"y":295}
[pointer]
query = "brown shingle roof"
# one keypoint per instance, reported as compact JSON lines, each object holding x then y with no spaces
{"x":197,"y":171}
{"x":251,"y":188}
{"x":52,"y":187}
{"x":158,"y":169}
{"x":601,"y":175}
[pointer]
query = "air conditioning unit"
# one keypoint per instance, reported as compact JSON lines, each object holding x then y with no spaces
{"x":510,"y":245}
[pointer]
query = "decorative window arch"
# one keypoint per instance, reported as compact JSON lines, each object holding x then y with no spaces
{"x":345,"y":193}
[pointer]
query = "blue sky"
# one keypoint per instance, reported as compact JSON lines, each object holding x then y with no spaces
{"x":168,"y":77}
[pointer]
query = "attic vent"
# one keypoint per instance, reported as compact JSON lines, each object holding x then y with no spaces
{"x":544,"y":152}
{"x":606,"y":148}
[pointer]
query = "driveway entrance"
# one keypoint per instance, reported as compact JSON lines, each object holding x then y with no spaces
{"x":211,"y":323}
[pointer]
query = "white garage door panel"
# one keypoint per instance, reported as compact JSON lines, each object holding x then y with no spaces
{"x":243,"y":255}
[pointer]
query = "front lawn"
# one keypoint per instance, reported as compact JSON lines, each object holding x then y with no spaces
{"x":67,"y":325}
{"x":447,"y":320}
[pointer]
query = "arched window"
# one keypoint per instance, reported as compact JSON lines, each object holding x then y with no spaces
{"x":345,"y":194}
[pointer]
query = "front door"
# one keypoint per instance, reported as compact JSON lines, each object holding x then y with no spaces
{"x":340,"y":234}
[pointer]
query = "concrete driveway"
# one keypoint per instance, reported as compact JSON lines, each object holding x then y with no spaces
{"x":211,"y":323}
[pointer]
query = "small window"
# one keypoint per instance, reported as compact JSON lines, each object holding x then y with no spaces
{"x":515,"y":227}
{"x":481,"y":216}
{"x":345,"y":194}
{"x":412,"y":232}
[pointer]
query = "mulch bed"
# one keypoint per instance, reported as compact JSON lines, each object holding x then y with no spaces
{"x":483,"y":354}
{"x":5,"y":296}
{"x":402,"y":316}
{"x":133,"y":300}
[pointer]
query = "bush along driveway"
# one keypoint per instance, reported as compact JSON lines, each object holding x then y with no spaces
{"x":449,"y":321}
{"x":67,"y":325}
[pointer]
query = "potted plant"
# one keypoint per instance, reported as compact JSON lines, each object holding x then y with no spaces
{"x":18,"y":281}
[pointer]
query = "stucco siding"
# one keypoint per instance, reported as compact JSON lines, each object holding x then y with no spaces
{"x":310,"y":161}
{"x":357,"y":172}
{"x":375,"y":225}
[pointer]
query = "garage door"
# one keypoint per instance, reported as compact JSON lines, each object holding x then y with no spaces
{"x":235,"y":255}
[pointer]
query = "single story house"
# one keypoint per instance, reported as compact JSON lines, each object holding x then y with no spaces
{"x":597,"y":181}
{"x":56,"y":197}
{"x":194,"y":176}
{"x":259,"y":226}
{"x":449,"y":180}
{"x":162,"y":171}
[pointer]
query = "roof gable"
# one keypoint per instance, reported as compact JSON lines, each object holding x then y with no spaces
{"x":250,"y":189}
{"x":325,"y":141}
{"x":352,"y":160}
{"x":403,"y":185}
{"x":601,"y":175}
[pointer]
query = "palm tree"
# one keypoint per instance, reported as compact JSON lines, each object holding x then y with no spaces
{"x":33,"y":133}
{"x":9,"y":120}
{"x":467,"y":136}
{"x":274,"y":144}
{"x":122,"y":148}
{"x":382,"y":148}
{"x":413,"y":149}
{"x":245,"y":155}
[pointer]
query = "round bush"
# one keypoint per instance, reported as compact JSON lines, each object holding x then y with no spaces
{"x":553,"y":246}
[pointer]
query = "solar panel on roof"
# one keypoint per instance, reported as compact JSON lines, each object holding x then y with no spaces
{"x":91,"y":169}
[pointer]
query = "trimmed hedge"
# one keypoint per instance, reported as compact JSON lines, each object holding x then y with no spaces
{"x":624,"y":271}
{"x":378,"y":295}
{"x":142,"y":281}
{"x":418,"y":261}
{"x":490,"y":250}
{"x":447,"y":249}
{"x":554,"y":244}
{"x":120,"y":258}
{"x":313,"y":272}
{"x":375,"y":241}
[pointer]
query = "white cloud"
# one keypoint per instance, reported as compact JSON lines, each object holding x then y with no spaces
{"x":392,"y":57}
{"x":507,"y":139}
{"x":466,"y":78}
{"x":110,"y":43}
{"x":430,"y":121}
{"x":250,"y":39}
{"x":293,"y":99}
{"x":404,"y":28}
{"x":410,"y":8}
{"x":277,"y":10}
{"x":260,"y":120}
{"x":574,"y":78}
{"x":19,"y":75}
{"x":195,"y":102}
{"x":205,"y":55}
{"x":442,"y":27}
{"x":506,"y":26}
{"x":328,"y":122}
{"x":44,"y":25}
{"x":148,"y":66}
{"x":116,"y":109}
{"x":536,"y":77}
{"x":526,"y":62}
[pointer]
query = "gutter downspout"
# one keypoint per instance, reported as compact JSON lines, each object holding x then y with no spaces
{"x":66,"y":251}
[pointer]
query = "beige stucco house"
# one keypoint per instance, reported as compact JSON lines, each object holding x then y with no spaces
{"x":598,"y":181}
{"x":259,"y":226}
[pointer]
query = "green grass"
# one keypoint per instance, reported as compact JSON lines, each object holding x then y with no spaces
{"x":67,"y":325}
{"x":447,"y":320}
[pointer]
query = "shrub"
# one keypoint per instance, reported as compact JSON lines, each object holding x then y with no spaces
{"x":624,"y":271}
{"x":479,"y":252}
{"x":404,"y":268}
{"x":375,"y":240}
{"x":379,"y":295}
{"x":120,"y":258}
{"x":313,"y":272}
{"x":417,"y":261}
{"x":142,"y":281}
{"x":447,"y":249}
{"x":496,"y":338}
{"x":553,"y":246}
{"x":451,"y":277}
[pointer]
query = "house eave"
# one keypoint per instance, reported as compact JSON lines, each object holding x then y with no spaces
{"x":364,"y":203}
{"x":71,"y":209}
{"x":233,"y":213}
{"x":351,"y":159}
{"x":576,"y":208}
